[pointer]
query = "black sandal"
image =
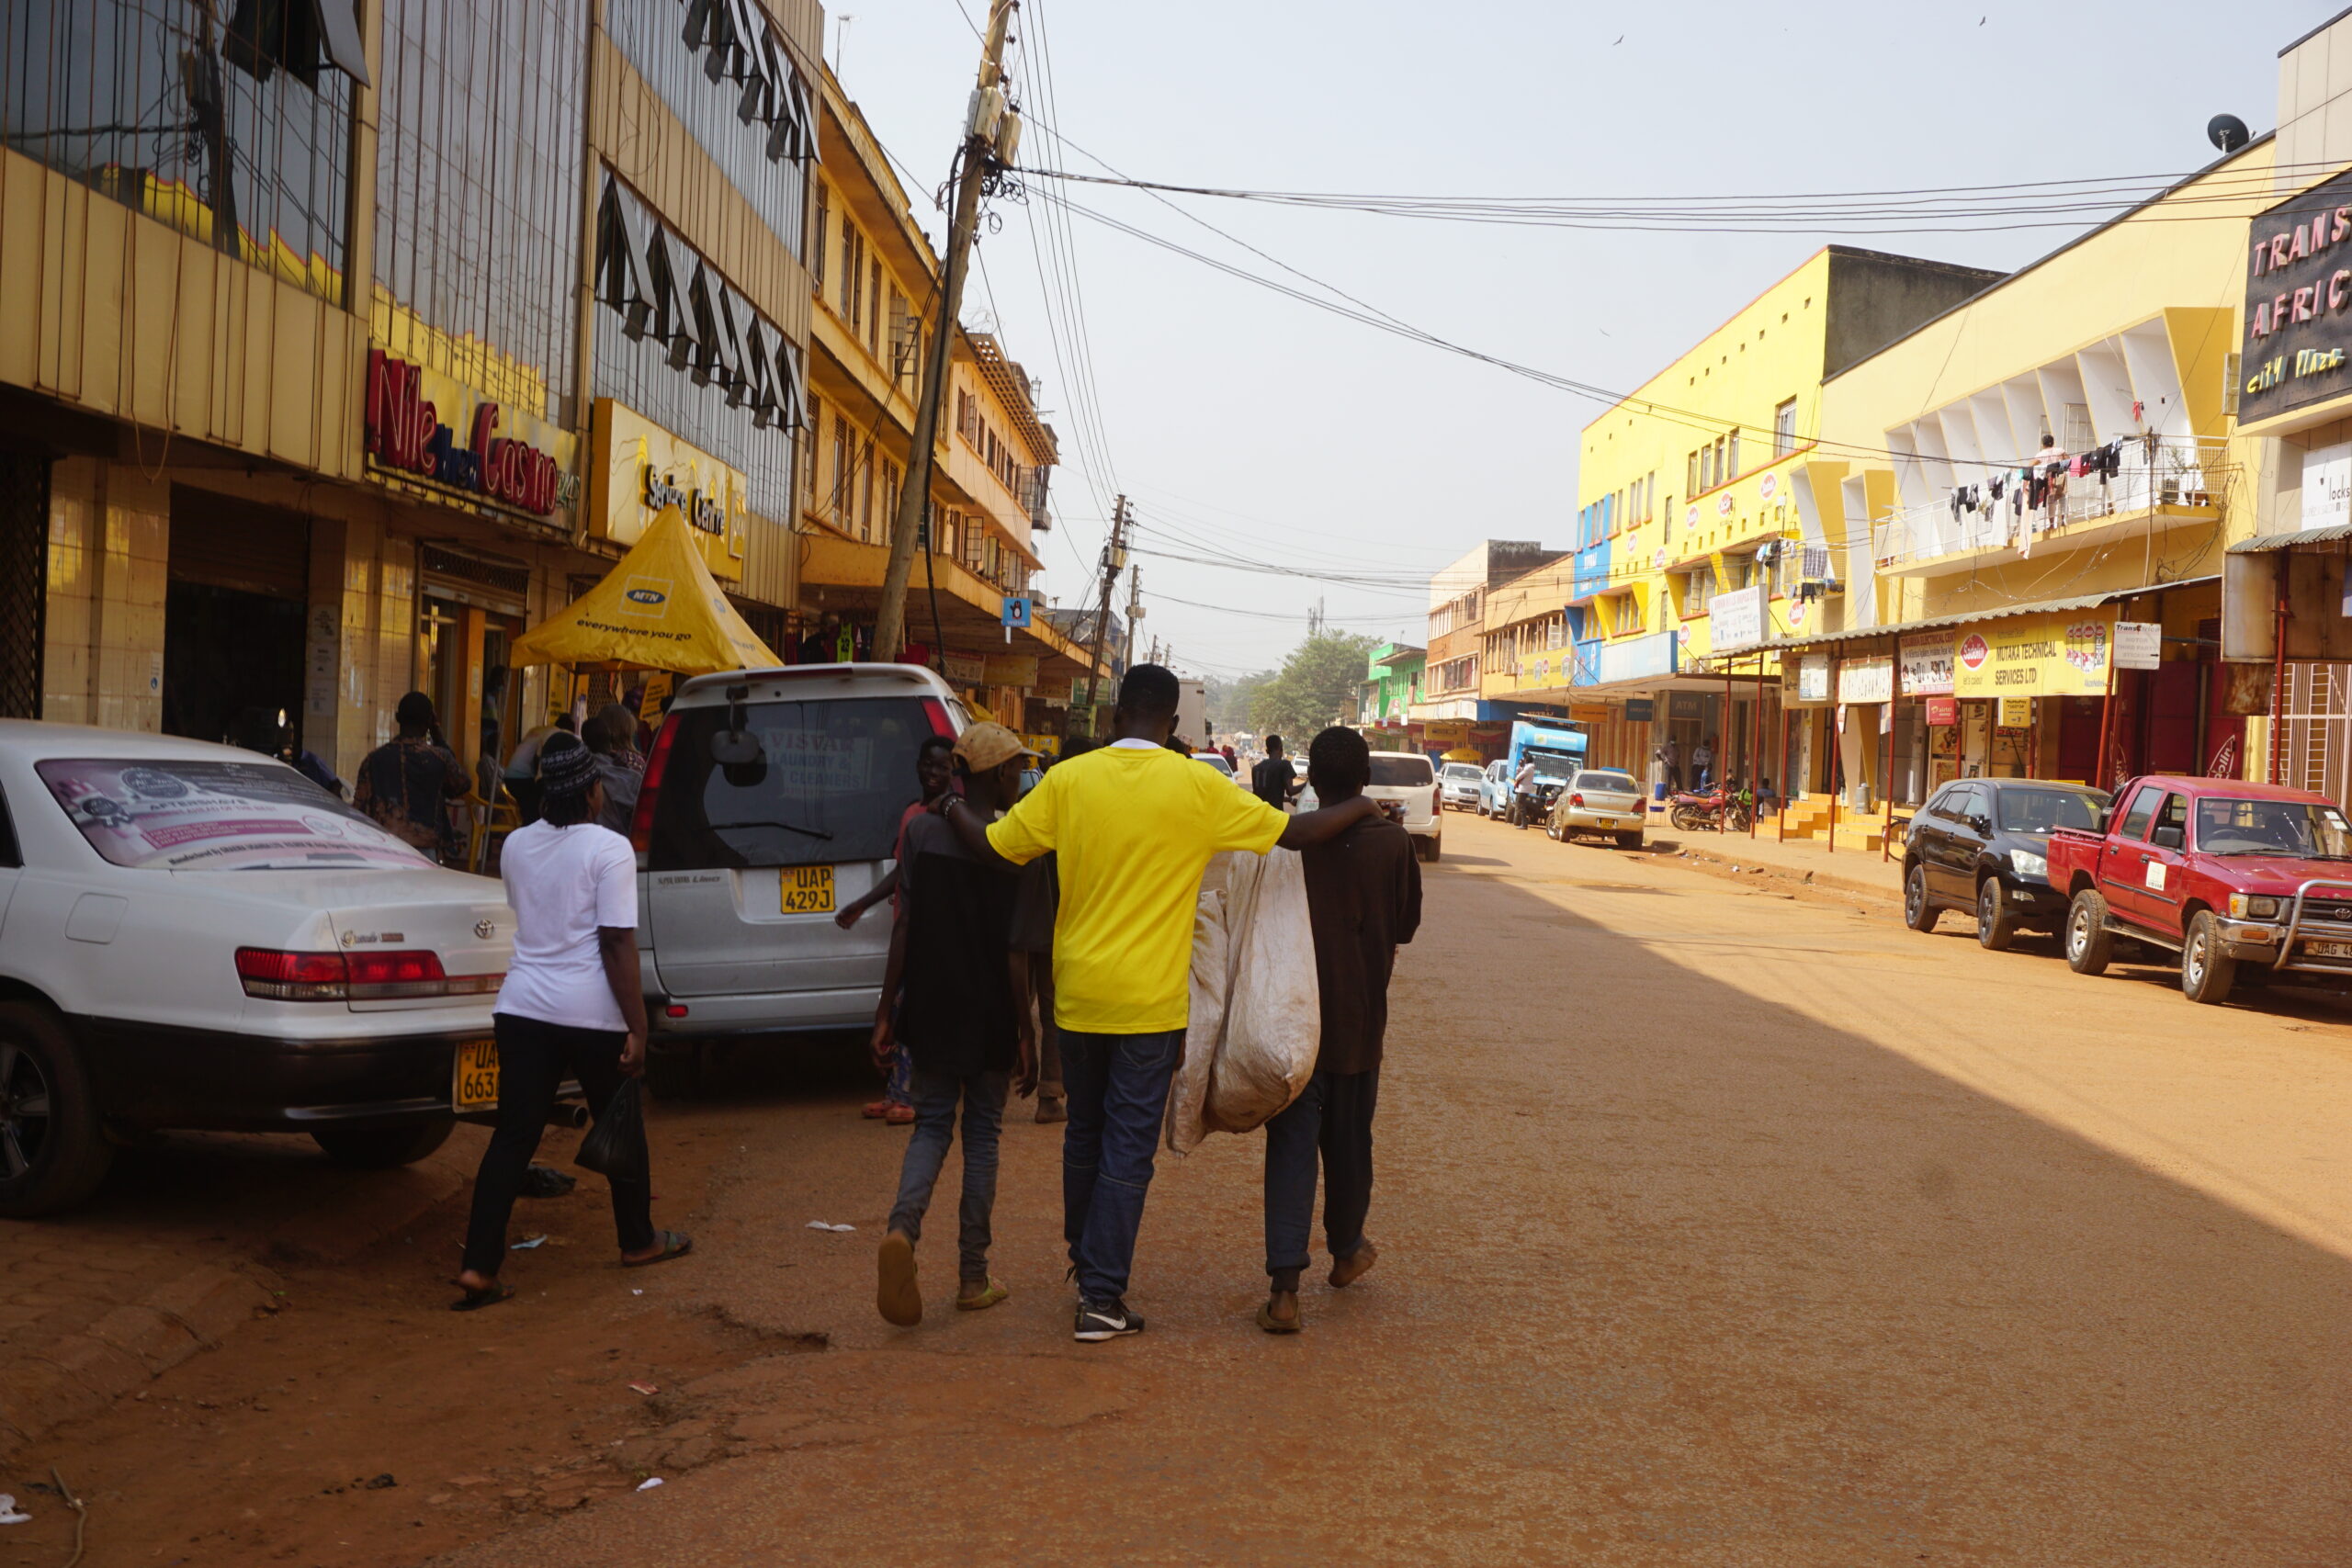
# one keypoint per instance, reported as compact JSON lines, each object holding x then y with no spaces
{"x":675,"y":1243}
{"x":474,"y":1301}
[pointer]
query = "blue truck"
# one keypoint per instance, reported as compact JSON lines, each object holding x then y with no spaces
{"x":1557,"y":751}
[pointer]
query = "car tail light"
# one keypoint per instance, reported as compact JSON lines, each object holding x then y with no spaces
{"x":358,"y":977}
{"x":936,"y":712}
{"x":1436,"y":800}
{"x":1577,"y":801}
{"x":293,"y":977}
{"x":648,"y":788}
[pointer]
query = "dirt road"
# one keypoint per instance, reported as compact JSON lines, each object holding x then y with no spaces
{"x":1719,"y":1227}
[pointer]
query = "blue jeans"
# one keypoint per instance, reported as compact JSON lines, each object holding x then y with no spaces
{"x":935,"y":1097}
{"x":1118,"y":1094}
{"x":1331,"y":1120}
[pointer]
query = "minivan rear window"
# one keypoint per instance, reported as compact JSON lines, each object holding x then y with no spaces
{"x":826,"y":782}
{"x":1401,"y":772}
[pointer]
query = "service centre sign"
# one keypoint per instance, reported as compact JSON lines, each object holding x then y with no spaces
{"x":2298,"y":303}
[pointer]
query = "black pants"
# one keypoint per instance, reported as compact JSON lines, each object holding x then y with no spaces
{"x":1334,"y":1118}
{"x":533,"y":1059}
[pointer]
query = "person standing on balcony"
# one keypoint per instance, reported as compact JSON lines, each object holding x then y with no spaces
{"x":2050,"y":466}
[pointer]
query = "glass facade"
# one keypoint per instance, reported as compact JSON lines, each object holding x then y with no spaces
{"x":230,"y":121}
{"x":478,"y":195}
{"x":723,"y":68}
{"x":679,"y":347}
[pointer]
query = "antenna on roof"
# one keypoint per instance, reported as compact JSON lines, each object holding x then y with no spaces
{"x":2227,"y":131}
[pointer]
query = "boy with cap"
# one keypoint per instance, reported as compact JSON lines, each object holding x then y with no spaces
{"x":963,"y":1013}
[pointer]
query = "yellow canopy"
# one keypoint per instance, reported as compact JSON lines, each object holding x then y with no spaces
{"x":659,"y":608}
{"x":1461,"y":754}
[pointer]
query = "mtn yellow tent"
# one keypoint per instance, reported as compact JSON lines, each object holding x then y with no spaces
{"x":659,"y":608}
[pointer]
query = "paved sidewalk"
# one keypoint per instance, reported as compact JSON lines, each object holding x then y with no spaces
{"x":175,"y":1254}
{"x":1798,"y":860}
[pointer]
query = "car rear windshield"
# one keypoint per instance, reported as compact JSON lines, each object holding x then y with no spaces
{"x":1606,"y":779}
{"x":2303,"y":829}
{"x":1401,"y":772}
{"x":179,"y":814}
{"x":807,"y":783}
{"x":1461,"y":770}
{"x":2041,"y":811}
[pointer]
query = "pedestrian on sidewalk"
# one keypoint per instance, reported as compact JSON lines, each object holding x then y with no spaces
{"x":1703,"y":764}
{"x":409,"y":784}
{"x":1523,"y":794}
{"x":1135,"y":826}
{"x":1668,"y":759}
{"x":963,"y":1019}
{"x":573,"y":1006}
{"x":935,"y":776}
{"x":1364,"y":898}
{"x":1273,"y":780}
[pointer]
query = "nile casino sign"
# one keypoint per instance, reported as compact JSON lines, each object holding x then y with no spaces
{"x":2298,"y":303}
{"x":424,"y":425}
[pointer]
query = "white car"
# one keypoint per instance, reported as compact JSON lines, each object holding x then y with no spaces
{"x":1406,"y":778}
{"x":1216,"y":760}
{"x":192,"y":936}
{"x":1458,"y":783}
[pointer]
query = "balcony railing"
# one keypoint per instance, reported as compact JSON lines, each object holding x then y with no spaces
{"x":2152,"y":474}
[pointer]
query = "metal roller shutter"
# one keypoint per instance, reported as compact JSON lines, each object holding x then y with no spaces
{"x":228,"y":543}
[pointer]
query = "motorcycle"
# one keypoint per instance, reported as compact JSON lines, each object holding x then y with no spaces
{"x":1718,"y":810}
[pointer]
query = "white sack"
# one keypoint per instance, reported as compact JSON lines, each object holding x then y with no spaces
{"x":1273,"y":1015}
{"x":1188,"y":1095}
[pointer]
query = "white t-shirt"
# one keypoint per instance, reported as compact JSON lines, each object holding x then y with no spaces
{"x":565,"y":883}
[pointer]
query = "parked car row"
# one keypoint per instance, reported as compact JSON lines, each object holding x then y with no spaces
{"x":2242,"y":884}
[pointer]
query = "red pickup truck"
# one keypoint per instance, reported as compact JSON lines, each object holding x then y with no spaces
{"x":2243,"y":881}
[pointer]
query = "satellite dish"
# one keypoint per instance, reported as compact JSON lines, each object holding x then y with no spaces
{"x":2227,"y":131}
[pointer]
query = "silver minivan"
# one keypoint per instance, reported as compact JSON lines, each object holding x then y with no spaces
{"x":772,"y":797}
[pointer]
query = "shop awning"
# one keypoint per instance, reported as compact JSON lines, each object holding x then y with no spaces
{"x":2326,"y":533}
{"x":1938,"y":623}
{"x":659,"y":608}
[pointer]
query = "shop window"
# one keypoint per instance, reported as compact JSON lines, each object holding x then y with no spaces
{"x":1784,"y":428}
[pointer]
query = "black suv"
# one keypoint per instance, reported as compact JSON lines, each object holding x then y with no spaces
{"x":1979,"y":845}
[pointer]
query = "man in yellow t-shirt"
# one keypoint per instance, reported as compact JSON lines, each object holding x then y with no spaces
{"x":1133,"y":826}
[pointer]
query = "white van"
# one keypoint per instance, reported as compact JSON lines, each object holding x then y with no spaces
{"x":772,"y":797}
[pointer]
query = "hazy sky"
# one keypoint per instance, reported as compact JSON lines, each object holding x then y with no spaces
{"x":1245,"y":424}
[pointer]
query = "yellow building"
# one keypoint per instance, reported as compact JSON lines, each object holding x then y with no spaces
{"x":874,"y":278}
{"x":329,"y":405}
{"x":1687,"y":497}
{"x":1980,"y":583}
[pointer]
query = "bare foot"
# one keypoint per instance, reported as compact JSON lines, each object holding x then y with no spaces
{"x":475,"y":1280}
{"x":1348,"y":1270}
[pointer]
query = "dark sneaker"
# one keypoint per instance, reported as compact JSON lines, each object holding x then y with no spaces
{"x":1105,"y":1320}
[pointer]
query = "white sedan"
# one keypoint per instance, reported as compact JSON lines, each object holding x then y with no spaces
{"x":192,"y":936}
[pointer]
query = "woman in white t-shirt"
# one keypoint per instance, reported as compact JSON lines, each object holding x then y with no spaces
{"x":572,"y":1005}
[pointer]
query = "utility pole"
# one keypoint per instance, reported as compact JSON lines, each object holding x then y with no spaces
{"x":1134,"y":610}
{"x":991,"y":135}
{"x":1114,"y":557}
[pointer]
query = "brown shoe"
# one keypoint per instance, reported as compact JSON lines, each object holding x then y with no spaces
{"x":895,"y":1293}
{"x":1348,"y":1270}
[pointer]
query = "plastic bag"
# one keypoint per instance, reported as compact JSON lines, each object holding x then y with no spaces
{"x":1273,"y":1009}
{"x":614,"y":1147}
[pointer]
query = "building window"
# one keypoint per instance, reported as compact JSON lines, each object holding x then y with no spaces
{"x":818,"y":249}
{"x":839,"y":504}
{"x":1690,"y":485}
{"x":729,"y":75}
{"x":1731,"y":456}
{"x":874,"y":316}
{"x":1784,"y":428}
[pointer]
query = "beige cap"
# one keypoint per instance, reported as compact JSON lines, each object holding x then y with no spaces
{"x":986,"y":746}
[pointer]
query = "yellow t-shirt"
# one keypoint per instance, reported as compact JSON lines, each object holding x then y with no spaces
{"x":1134,"y":830}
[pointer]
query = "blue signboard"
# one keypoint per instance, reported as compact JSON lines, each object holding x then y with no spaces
{"x":1016,"y":611}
